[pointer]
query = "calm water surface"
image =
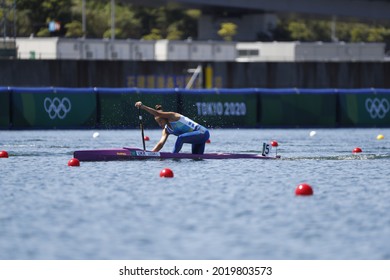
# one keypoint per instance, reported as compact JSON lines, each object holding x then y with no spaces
{"x":211,"y":209}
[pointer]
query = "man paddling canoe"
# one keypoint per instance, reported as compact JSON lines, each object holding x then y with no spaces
{"x":186,"y":130}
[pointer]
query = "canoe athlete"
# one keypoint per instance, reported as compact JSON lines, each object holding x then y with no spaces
{"x":186,"y":130}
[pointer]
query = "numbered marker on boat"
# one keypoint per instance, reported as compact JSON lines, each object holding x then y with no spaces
{"x":266,"y":149}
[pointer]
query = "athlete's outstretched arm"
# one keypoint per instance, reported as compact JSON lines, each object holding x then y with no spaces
{"x":171,"y":116}
{"x":162,"y":141}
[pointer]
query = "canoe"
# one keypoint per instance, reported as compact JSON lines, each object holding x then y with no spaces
{"x":127,"y":153}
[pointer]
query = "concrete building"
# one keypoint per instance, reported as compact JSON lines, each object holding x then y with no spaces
{"x":255,"y":18}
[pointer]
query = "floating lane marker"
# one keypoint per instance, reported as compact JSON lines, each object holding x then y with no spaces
{"x":380,"y":137}
{"x":357,"y":150}
{"x":146,"y":138}
{"x":73,"y":162}
{"x":304,"y":189}
{"x":96,"y":135}
{"x":275,"y":144}
{"x":3,"y":154}
{"x":312,"y":133}
{"x":166,"y":173}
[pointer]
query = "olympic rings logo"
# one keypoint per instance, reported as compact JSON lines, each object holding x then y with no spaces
{"x":57,"y":107}
{"x":377,"y":108}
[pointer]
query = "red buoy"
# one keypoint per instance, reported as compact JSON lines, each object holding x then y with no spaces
{"x":73,"y":162}
{"x":146,"y":138}
{"x":3,"y":154}
{"x":304,"y":189}
{"x":357,"y":150}
{"x":166,"y":173}
{"x":208,"y":141}
{"x":274,"y":143}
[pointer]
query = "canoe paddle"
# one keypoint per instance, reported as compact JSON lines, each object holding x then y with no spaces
{"x":141,"y":126}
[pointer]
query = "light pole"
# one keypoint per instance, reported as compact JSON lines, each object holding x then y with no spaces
{"x":333,"y":29}
{"x":112,"y":19}
{"x":6,"y":12}
{"x":83,"y":19}
{"x":14,"y":19}
{"x":4,"y":21}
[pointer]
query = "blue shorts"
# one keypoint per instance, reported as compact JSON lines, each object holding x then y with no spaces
{"x":197,"y":138}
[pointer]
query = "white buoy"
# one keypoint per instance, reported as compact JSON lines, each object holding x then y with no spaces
{"x":312,"y":133}
{"x":95,"y":135}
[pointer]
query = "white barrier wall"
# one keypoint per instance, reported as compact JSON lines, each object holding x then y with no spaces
{"x":118,"y":50}
{"x":142,"y":50}
{"x":268,"y":51}
{"x":224,"y":51}
{"x":188,"y":50}
{"x":318,"y":51}
{"x":37,"y":48}
{"x":70,"y":49}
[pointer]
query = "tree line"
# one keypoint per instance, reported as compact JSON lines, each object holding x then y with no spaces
{"x":32,"y":18}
